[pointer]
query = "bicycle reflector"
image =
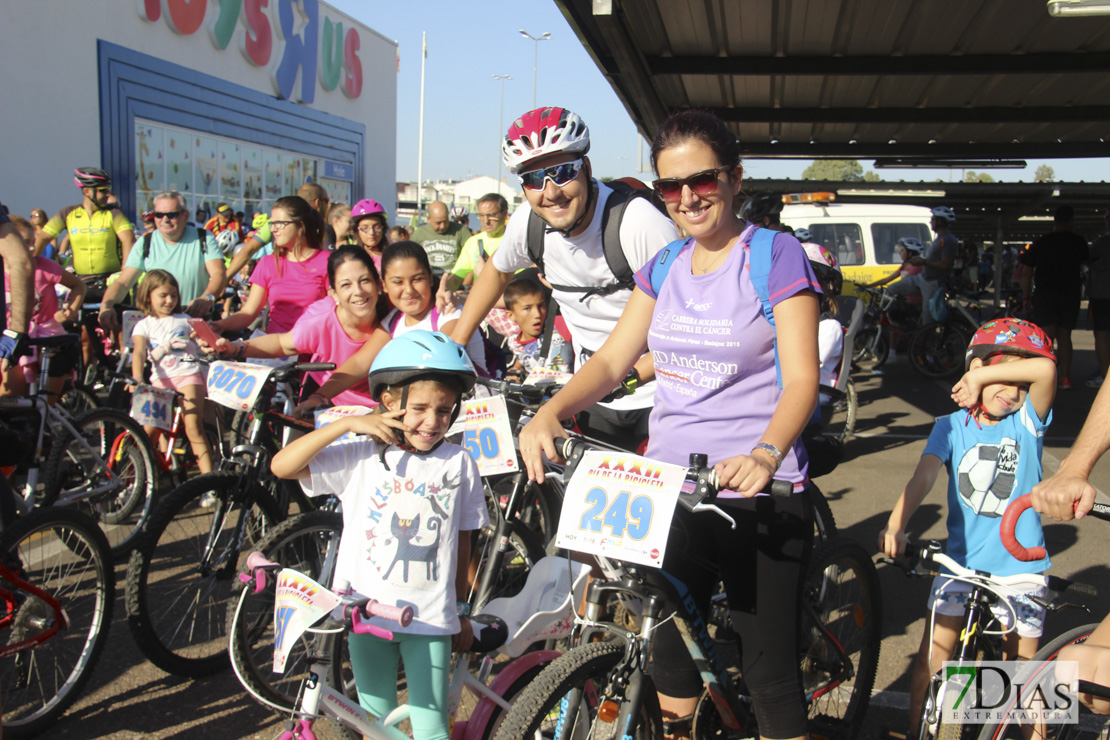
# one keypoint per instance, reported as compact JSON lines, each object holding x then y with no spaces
{"x":608,"y":711}
{"x":796,"y":198}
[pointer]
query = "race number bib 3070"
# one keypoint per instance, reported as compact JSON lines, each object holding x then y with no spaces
{"x":488,"y":436}
{"x":236,"y":384}
{"x":620,"y":505}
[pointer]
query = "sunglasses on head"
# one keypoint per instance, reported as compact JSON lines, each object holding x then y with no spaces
{"x":168,"y":214}
{"x":560,"y":174}
{"x":700,"y":183}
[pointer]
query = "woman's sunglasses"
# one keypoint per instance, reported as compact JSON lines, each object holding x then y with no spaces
{"x":700,"y":183}
{"x":559,"y":174}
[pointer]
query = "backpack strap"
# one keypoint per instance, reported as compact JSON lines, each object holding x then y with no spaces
{"x":760,"y":253}
{"x":482,"y":250}
{"x":435,"y":319}
{"x":146,"y":245}
{"x":663,"y":262}
{"x":535,"y":239}
{"x":549,"y":326}
{"x":395,"y":320}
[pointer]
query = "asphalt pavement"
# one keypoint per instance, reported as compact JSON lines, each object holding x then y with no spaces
{"x":129,"y":698}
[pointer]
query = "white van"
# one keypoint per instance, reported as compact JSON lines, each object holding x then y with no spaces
{"x":863,"y":237}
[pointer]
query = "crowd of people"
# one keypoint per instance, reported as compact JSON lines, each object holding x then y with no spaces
{"x":718,"y":317}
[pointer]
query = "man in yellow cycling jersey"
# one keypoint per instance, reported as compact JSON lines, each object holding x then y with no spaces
{"x":100,"y":238}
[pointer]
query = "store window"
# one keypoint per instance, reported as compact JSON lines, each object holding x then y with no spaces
{"x":211,"y":170}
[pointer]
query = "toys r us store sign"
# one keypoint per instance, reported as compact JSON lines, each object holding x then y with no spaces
{"x":285,"y":35}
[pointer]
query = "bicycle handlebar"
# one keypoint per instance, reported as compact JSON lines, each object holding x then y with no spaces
{"x":706,"y":482}
{"x":930,"y":553}
{"x":535,"y":393}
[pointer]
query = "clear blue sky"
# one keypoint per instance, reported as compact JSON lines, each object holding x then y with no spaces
{"x":469,"y":42}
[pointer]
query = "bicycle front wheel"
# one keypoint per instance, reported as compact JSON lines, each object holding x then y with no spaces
{"x":839,"y":645}
{"x":1090,"y":726}
{"x":113,"y":456}
{"x":308,"y":544}
{"x":937,"y":350}
{"x":183,"y":569}
{"x":62,"y":552}
{"x":565,"y":697}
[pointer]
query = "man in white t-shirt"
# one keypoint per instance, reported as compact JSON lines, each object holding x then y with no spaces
{"x":546,"y":149}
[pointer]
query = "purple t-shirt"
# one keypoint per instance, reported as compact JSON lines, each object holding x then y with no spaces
{"x":714,"y":355}
{"x":299,"y":286}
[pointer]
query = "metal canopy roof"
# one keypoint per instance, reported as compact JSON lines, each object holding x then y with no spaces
{"x":861,"y":78}
{"x":1024,"y":210}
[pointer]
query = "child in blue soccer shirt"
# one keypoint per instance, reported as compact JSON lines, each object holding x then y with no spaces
{"x":992,"y":451}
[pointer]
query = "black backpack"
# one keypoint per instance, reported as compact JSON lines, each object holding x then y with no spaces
{"x":624,"y":191}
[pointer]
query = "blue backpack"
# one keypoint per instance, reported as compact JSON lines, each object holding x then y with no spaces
{"x":759,"y":252}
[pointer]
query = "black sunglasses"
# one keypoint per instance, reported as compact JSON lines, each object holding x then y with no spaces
{"x":700,"y":183}
{"x":172,"y":215}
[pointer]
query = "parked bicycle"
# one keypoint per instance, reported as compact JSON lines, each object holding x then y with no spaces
{"x":57,"y":587}
{"x":603,"y":689}
{"x":181,"y":573}
{"x":100,"y":461}
{"x":937,"y":349}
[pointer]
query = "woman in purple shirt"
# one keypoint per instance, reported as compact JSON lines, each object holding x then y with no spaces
{"x":718,"y":393}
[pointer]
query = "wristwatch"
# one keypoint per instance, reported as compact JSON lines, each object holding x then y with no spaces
{"x":462,"y":608}
{"x":209,"y":297}
{"x":770,"y":449}
{"x":13,"y":334}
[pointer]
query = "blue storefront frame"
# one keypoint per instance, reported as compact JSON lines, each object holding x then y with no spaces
{"x":135,"y":85}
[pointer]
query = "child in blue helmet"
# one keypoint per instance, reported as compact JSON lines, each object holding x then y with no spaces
{"x":409,"y":498}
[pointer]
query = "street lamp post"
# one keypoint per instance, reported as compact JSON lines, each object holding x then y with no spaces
{"x":500,"y":121}
{"x":535,"y":57}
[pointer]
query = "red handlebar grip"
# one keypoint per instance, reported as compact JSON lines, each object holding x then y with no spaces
{"x":1009,"y":538}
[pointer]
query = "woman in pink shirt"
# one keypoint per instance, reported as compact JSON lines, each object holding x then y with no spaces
{"x":331,"y":329}
{"x":293,"y":277}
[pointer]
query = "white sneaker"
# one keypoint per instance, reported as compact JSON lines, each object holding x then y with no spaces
{"x":208,"y":500}
{"x":1095,"y":382}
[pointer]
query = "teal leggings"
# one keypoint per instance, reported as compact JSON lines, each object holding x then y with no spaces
{"x":427,"y":660}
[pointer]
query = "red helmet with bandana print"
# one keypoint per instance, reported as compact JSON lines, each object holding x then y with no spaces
{"x":1009,"y":336}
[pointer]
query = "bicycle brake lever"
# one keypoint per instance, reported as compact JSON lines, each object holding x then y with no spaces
{"x":700,"y":506}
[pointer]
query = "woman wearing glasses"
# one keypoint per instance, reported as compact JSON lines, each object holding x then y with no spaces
{"x":716,"y":371}
{"x":292,"y":278}
{"x":368,"y":221}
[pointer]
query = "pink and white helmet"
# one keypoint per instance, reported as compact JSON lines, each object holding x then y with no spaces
{"x":820,"y":254}
{"x":541,"y":132}
{"x":366,"y":207}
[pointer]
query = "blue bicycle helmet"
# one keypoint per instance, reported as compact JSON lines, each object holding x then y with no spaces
{"x":416,"y":354}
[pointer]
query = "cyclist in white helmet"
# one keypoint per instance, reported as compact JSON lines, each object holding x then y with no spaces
{"x":937,"y":261}
{"x":546,"y":148}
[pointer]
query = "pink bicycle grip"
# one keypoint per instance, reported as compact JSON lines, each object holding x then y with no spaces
{"x":257,"y":564}
{"x":402,"y":615}
{"x":360,"y":627}
{"x":1009,"y":538}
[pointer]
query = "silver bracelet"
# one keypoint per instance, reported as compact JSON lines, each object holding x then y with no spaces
{"x":775,"y":452}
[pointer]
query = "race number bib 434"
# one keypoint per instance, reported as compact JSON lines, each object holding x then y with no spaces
{"x":236,"y":384}
{"x":153,"y":407}
{"x":620,"y":505}
{"x":488,"y":436}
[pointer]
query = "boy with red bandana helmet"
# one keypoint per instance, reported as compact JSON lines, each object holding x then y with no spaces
{"x":546,"y":148}
{"x":1008,"y":392}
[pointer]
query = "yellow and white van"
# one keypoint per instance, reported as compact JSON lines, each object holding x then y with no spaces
{"x":863,"y":237}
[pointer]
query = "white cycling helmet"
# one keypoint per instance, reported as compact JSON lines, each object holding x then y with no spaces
{"x":913,"y":246}
{"x":803,"y":235}
{"x":541,"y":132}
{"x":227,"y":240}
{"x":946,"y":213}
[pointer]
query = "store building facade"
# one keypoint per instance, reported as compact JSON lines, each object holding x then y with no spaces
{"x":236,"y":101}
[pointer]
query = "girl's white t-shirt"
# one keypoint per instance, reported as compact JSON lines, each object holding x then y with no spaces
{"x":172,"y":333}
{"x":401,"y":524}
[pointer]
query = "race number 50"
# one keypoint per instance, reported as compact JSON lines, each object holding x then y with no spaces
{"x":488,"y":436}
